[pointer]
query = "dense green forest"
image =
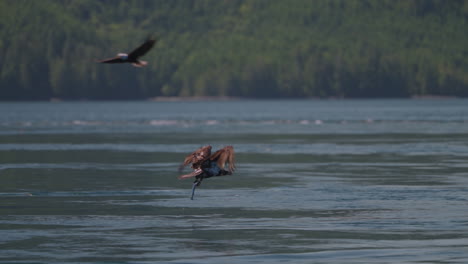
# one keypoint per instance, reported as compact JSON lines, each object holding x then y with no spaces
{"x":242,"y":48}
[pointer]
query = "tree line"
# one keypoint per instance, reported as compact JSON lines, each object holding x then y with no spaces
{"x":242,"y":48}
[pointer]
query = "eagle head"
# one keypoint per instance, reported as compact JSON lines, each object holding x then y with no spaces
{"x":123,"y":56}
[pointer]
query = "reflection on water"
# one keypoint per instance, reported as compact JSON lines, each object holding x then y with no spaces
{"x":380,"y":181}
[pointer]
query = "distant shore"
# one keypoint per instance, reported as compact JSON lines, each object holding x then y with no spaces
{"x":234,"y":98}
{"x":193,"y":98}
{"x":429,"y":96}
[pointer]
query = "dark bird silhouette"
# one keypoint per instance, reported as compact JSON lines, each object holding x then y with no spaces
{"x":206,"y":165}
{"x":133,"y":56}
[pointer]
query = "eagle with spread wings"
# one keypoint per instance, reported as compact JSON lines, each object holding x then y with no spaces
{"x":206,"y":165}
{"x":133,"y":57}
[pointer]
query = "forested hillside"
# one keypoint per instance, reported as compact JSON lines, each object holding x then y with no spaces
{"x":246,"y":48}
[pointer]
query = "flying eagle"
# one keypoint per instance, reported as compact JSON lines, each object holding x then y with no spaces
{"x":206,"y":165}
{"x":133,"y":56}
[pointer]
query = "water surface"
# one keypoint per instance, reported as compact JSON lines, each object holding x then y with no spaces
{"x":345,"y":181}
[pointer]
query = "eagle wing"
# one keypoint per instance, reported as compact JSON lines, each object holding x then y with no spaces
{"x":197,"y":157}
{"x":142,"y":50}
{"x":223,"y":156}
{"x":112,"y":60}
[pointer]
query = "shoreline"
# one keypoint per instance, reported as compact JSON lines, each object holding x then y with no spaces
{"x":234,"y":98}
{"x":193,"y":98}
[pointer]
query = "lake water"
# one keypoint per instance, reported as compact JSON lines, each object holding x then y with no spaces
{"x":334,"y":181}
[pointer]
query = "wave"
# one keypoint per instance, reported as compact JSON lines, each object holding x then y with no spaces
{"x":31,"y":125}
{"x":177,"y":122}
{"x":97,"y":193}
{"x":369,"y":148}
